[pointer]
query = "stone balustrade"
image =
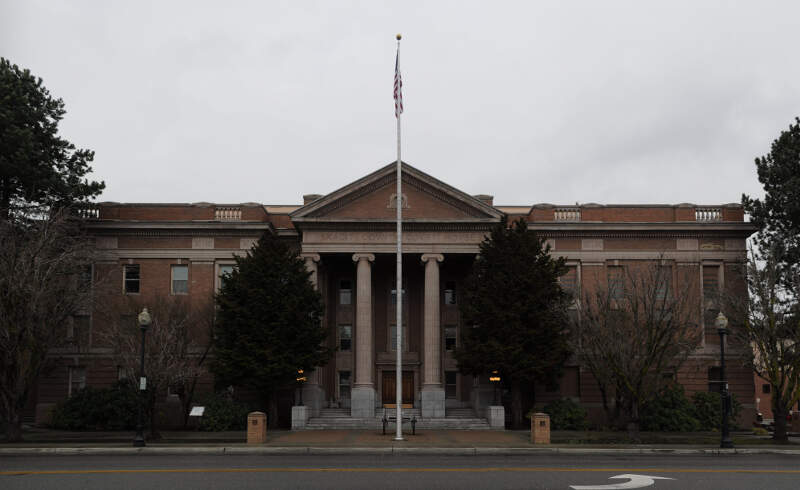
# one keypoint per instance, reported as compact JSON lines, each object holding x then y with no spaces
{"x":707,"y":214}
{"x":567,"y":214}
{"x":228,"y":213}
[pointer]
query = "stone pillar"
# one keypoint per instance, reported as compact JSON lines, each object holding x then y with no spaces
{"x":432,"y":389}
{"x":313,"y":393}
{"x":362,"y":396}
{"x":496,"y":415}
{"x":300,"y":417}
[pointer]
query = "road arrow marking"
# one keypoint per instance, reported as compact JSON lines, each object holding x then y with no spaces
{"x":636,"y":481}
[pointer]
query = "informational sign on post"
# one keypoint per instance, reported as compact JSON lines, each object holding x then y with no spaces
{"x":142,"y":383}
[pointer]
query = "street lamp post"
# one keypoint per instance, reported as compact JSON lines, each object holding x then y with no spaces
{"x":722,"y":329}
{"x":495,"y":379}
{"x":144,"y":322}
{"x":300,"y":380}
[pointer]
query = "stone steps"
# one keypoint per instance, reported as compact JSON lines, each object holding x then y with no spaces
{"x":317,"y":423}
{"x":455,"y":419}
{"x":331,"y":423}
{"x":339,"y":418}
{"x":460,"y":413}
{"x":334,"y":412}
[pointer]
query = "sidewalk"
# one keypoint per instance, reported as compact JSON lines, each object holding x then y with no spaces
{"x":453,"y":442}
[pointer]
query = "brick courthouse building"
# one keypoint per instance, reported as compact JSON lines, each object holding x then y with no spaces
{"x":347,"y":238}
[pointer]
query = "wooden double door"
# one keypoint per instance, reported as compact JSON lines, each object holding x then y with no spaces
{"x":389,"y":387}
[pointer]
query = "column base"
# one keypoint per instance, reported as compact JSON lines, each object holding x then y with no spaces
{"x":299,"y":417}
{"x":496,"y":414}
{"x":313,"y":397}
{"x":432,"y":403}
{"x":362,"y":402}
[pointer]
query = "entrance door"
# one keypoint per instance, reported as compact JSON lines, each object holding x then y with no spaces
{"x":390,"y":385}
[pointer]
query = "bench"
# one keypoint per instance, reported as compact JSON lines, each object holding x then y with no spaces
{"x":413,"y":421}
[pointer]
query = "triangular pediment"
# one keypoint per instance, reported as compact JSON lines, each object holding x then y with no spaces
{"x":372,"y":198}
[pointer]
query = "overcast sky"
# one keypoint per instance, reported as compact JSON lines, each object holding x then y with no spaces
{"x":561,"y":102}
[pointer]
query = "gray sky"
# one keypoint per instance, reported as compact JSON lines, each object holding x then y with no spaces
{"x":610,"y":102}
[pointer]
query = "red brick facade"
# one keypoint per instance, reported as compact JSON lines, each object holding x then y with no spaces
{"x":358,"y":218}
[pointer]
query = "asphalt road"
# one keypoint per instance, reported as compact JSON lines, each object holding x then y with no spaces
{"x":440,"y":472}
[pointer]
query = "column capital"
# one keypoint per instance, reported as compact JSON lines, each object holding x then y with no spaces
{"x":436,"y":257}
{"x":360,"y":256}
{"x":314,"y":257}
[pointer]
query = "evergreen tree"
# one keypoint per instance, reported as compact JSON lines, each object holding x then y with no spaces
{"x":514,"y":312}
{"x":269,"y":322}
{"x":778,"y":215}
{"x":37,"y":166}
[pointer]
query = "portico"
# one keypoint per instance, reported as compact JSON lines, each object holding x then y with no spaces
{"x":350,"y":236}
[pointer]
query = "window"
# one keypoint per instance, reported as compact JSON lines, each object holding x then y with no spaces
{"x":450,"y":386}
{"x":77,"y":379}
{"x":450,"y":335}
{"x":345,"y":292}
{"x":225,"y":271}
{"x":714,"y":380}
{"x":180,"y":279}
{"x":569,"y":281}
{"x":131,"y":278}
{"x":393,"y":338}
{"x":766,"y":388}
{"x":344,"y":385}
{"x":664,"y":283}
{"x":710,"y":295}
{"x":122,"y":373}
{"x":85,"y":279}
{"x":394,"y":296}
{"x":616,"y":284}
{"x":77,"y":327}
{"x":450,"y":297}
{"x":710,"y":286}
{"x":345,"y":338}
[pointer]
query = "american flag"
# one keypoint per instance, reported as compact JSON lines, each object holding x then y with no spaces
{"x":398,"y":87}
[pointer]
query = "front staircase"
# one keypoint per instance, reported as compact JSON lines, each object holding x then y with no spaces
{"x":339,"y":418}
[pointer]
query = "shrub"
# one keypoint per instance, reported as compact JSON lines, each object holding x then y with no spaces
{"x":760,"y":431}
{"x":112,"y":408}
{"x":708,"y":409}
{"x":670,"y":411}
{"x":223,"y":413}
{"x":565,"y":414}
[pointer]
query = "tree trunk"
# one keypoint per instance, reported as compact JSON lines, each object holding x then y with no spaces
{"x":633,"y":423}
{"x":187,"y":397}
{"x":272,"y":412}
{"x":516,"y":405}
{"x":780,"y":435}
{"x":14,"y":429}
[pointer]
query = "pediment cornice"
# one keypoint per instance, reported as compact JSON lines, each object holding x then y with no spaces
{"x":317,"y":212}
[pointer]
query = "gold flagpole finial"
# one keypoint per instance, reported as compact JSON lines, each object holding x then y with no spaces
{"x":399,"y":37}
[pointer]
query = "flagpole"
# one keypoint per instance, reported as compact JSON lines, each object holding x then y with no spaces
{"x":399,"y":285}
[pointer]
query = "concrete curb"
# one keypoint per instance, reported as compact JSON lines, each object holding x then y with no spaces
{"x":377,"y":451}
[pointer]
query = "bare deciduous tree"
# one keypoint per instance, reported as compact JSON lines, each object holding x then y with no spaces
{"x":633,"y":329}
{"x":767,"y":318}
{"x":176,"y":346}
{"x":45,"y":279}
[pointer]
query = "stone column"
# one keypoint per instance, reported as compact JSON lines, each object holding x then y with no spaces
{"x":362,"y":396}
{"x":313,"y":393}
{"x":432,"y":389}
